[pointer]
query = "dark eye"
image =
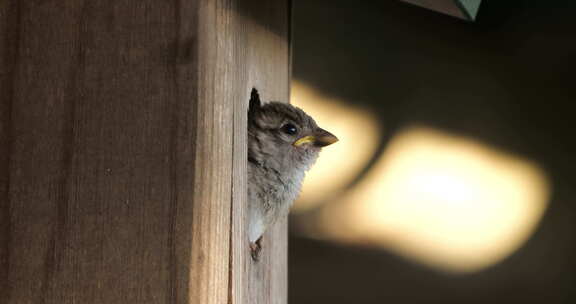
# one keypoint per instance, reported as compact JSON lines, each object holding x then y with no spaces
{"x":289,"y":129}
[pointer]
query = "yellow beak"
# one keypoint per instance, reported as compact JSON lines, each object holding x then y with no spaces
{"x":304,"y":140}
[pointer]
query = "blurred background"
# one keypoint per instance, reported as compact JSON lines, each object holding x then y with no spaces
{"x":454,"y":180}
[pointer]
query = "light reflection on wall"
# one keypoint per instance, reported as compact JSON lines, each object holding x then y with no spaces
{"x":357,"y":131}
{"x":446,"y":201}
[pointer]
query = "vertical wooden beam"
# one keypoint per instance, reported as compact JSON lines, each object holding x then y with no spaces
{"x":264,"y":46}
{"x":123,"y":150}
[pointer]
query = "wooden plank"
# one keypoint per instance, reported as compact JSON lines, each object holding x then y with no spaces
{"x":264,"y":44}
{"x":123,"y":138}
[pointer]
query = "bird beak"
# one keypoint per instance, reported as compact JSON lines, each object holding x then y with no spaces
{"x":324,"y":138}
{"x":321,"y":138}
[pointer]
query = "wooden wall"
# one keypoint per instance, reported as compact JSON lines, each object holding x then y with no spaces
{"x":123,"y":154}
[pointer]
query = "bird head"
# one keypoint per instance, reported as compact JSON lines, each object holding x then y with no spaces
{"x":283,"y":136}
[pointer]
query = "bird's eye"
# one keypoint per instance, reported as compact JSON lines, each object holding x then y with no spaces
{"x":289,"y":129}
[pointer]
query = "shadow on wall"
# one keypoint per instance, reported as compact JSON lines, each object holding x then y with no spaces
{"x":442,"y":200}
{"x":469,"y":183}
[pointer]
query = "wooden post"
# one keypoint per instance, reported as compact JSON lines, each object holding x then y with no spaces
{"x":123,"y":150}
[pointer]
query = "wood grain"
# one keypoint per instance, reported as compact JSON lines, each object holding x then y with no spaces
{"x":268,"y":69}
{"x":123,"y":150}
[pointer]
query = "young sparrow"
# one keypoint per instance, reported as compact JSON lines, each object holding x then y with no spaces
{"x":283,"y":143}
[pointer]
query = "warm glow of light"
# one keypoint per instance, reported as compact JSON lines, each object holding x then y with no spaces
{"x":338,"y":164}
{"x":442,"y":200}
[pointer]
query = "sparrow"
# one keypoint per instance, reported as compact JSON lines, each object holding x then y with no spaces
{"x":283,"y":143}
